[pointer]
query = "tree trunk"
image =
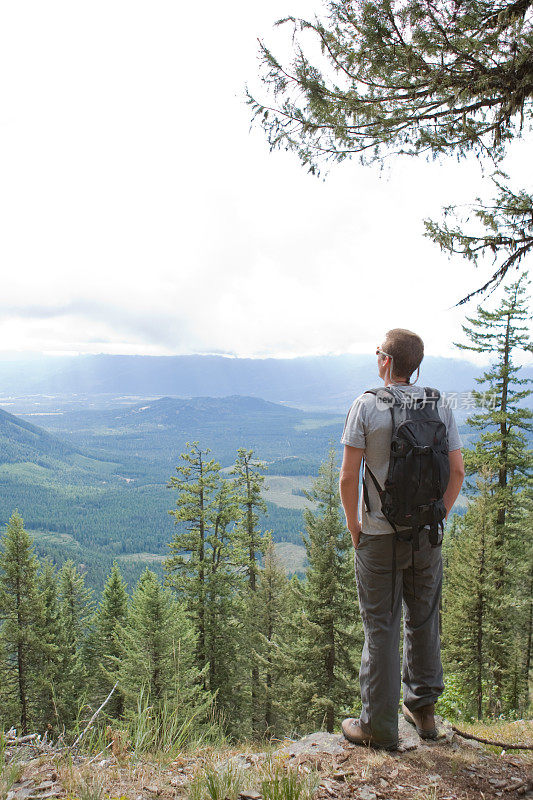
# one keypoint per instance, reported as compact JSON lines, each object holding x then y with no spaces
{"x":201,"y":580}
{"x":480,"y":608}
{"x":269,"y":719}
{"x":527,"y":667}
{"x":501,"y":513}
{"x":21,"y":665}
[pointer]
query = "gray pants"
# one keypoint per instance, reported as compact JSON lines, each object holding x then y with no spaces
{"x":379,"y":677}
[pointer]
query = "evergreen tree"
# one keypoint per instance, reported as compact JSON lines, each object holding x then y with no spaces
{"x":224,"y":614}
{"x":470,"y":600}
{"x":158,"y":661}
{"x":204,"y":568}
{"x":50,"y":688}
{"x":517,"y":668}
{"x":110,"y":619}
{"x":324,"y":658}
{"x":273,"y":607}
{"x":502,"y":445}
{"x":248,"y":483}
{"x":76,"y":611}
{"x":19,"y":613}
{"x":186,"y":567}
{"x":417,"y":78}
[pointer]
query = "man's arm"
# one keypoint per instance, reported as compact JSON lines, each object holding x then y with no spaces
{"x":349,"y":489}
{"x":457,"y":475}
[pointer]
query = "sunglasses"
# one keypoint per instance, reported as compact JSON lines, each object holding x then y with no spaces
{"x":380,"y":352}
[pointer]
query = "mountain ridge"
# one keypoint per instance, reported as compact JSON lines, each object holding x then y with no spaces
{"x":308,"y":382}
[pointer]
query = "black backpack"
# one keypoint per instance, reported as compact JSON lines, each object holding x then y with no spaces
{"x":419,"y":468}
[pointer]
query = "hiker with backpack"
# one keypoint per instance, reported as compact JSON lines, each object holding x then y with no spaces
{"x":407,"y":439}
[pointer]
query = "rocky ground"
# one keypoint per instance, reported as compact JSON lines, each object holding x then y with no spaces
{"x":450,"y":768}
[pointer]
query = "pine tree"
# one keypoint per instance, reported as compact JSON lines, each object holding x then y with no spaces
{"x":186,"y":567}
{"x":383,"y":75}
{"x":516,"y":674}
{"x":19,"y":613}
{"x":76,"y":611}
{"x":50,"y":687}
{"x":330,"y":633}
{"x":417,"y":78}
{"x":111,"y":617}
{"x":248,"y":483}
{"x":273,"y":608}
{"x":204,"y":569}
{"x":224,"y":610}
{"x":471,"y":603}
{"x":158,"y":662}
{"x":502,"y":445}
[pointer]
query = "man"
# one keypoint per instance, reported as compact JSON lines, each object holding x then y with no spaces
{"x":367,"y":432}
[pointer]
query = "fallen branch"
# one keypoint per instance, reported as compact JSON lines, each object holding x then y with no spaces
{"x":22,"y":739}
{"x":101,"y":753}
{"x":505,"y":745}
{"x":84,"y":731}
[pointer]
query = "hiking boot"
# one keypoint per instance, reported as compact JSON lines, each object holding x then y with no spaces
{"x":355,"y":733}
{"x":423,"y":719}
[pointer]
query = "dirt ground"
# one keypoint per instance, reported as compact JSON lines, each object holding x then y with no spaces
{"x":448,"y":769}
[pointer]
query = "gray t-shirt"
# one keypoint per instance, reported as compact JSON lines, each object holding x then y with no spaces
{"x":368,"y":425}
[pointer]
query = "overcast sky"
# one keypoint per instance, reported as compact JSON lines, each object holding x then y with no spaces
{"x":139,"y":214}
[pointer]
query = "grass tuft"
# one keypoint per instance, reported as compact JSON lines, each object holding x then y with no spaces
{"x":281,"y":782}
{"x":10,"y":771}
{"x":216,"y":782}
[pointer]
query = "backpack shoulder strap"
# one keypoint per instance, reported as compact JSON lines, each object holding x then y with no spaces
{"x":431,"y":397}
{"x":377,"y":390}
{"x":431,"y":394}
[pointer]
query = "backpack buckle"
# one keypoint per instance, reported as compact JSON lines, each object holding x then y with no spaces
{"x":423,"y":449}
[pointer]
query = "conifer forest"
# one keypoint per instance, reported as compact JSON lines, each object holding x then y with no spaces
{"x":226,"y":644}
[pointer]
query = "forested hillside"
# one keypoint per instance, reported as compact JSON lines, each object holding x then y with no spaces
{"x":96,"y":489}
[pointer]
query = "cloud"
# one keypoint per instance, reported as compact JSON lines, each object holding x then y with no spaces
{"x":141,"y":215}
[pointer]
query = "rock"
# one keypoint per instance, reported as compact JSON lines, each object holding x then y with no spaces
{"x":319,"y":742}
{"x":365,"y":793}
{"x":408,"y":737}
{"x":336,"y":744}
{"x":341,"y":776}
{"x":21,"y":790}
